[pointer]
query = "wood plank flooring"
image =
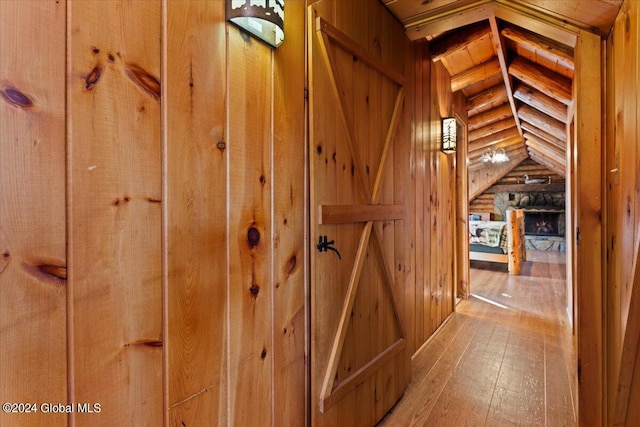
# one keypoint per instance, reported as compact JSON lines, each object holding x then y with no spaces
{"x":504,"y":358}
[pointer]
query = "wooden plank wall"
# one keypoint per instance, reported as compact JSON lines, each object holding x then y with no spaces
{"x":152,"y":220}
{"x":152,"y":215}
{"x":435,"y":198}
{"x":623,"y":197}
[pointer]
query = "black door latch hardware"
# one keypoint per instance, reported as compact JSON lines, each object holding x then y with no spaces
{"x":324,"y":246}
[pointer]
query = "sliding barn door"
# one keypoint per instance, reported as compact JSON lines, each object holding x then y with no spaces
{"x":359,"y":366}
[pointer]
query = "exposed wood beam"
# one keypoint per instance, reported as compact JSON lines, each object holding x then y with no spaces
{"x":564,"y":19}
{"x":536,"y":22}
{"x":490,"y":116}
{"x":492,"y":97}
{"x":548,"y":163}
{"x":492,"y":128}
{"x":458,"y":40}
{"x":540,"y":101}
{"x":544,"y":122}
{"x":536,"y":138}
{"x":475,"y":74}
{"x":496,"y":138}
{"x":430,"y":23}
{"x":511,"y":188}
{"x":546,"y":81}
{"x":557,"y":52}
{"x":528,"y":129}
{"x":547,"y":150}
{"x":502,"y":55}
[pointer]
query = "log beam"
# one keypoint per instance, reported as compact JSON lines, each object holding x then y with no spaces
{"x":546,"y":81}
{"x":496,"y":138}
{"x":548,"y":163}
{"x":547,"y":150}
{"x":542,"y":102}
{"x":544,"y":122}
{"x":492,"y":128}
{"x":556,"y":52}
{"x":492,"y":97}
{"x":445,"y":46}
{"x":475,"y":74}
{"x":490,"y":116}
{"x":531,"y":129}
{"x":544,"y":142}
{"x":502,"y":58}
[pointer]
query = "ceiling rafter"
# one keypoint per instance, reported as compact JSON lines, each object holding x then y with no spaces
{"x":502,"y":57}
{"x":459,"y":40}
{"x":555,"y":51}
{"x":540,"y":101}
{"x":542,"y":121}
{"x":546,"y":81}
{"x":478,"y":73}
{"x":490,"y":98}
{"x":490,"y":116}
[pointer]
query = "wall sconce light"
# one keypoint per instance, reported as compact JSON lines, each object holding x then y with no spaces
{"x":494,"y":156}
{"x":262,"y":18}
{"x":449,"y":135}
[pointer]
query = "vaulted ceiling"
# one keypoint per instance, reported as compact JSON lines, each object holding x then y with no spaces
{"x":514,"y":62}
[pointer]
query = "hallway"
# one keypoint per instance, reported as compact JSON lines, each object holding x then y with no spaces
{"x":504,"y":358}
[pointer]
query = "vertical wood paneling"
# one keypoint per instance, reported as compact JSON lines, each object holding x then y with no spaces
{"x":462,"y":202}
{"x":195,"y":203}
{"x":623,"y":202}
{"x":33,"y":262}
{"x":589,"y":250}
{"x":288,"y":183}
{"x":115,"y":232}
{"x":319,"y":156}
{"x":250,"y":240}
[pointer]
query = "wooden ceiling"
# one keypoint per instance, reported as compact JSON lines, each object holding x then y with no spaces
{"x":514,"y":61}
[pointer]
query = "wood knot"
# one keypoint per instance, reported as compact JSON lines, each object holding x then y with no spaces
{"x":263,"y":354}
{"x":254,"y":289}
{"x":148,"y":83}
{"x":291,"y":265}
{"x":16,"y":98}
{"x":92,"y":78}
{"x":221,"y":145}
{"x":253,"y":237}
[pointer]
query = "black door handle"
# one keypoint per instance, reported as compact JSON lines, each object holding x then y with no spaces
{"x":324,"y":245}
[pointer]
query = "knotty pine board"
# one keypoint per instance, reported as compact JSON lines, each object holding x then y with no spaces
{"x":289,"y":225}
{"x":196,"y":170}
{"x":250,"y":233}
{"x":33,"y":262}
{"x":114,"y":202}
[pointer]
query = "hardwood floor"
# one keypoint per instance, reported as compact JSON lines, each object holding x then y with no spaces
{"x":504,"y":358}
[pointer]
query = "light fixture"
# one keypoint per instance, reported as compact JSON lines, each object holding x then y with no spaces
{"x":492,"y":155}
{"x":262,"y":18}
{"x":448,"y":135}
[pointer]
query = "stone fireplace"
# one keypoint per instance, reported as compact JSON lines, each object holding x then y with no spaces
{"x":544,"y":217}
